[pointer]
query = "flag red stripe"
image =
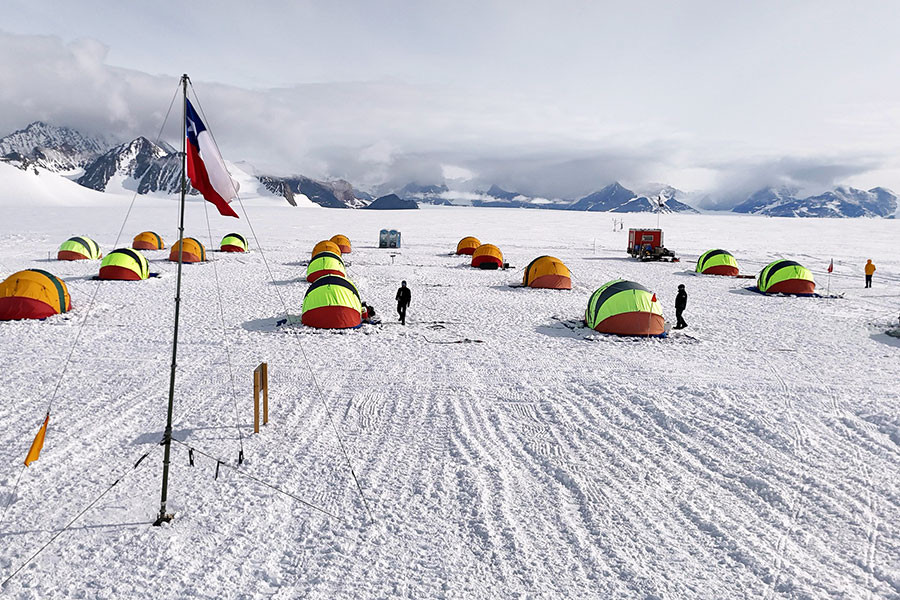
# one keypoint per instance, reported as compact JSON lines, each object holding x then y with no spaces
{"x":196,"y":172}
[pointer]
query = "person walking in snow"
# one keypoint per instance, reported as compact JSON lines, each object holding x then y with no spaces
{"x":680,"y":305}
{"x":404,"y":296}
{"x":870,"y":270}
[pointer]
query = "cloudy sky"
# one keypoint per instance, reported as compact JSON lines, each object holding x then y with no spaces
{"x":551,"y":98}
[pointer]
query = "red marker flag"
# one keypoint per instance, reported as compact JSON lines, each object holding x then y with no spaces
{"x":35,"y":451}
{"x":653,"y":299}
{"x":831,"y":266}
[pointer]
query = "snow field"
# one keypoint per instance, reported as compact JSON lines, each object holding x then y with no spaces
{"x":756,"y":458}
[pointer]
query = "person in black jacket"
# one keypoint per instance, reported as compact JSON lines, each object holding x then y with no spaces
{"x":404,"y":296}
{"x":680,"y":305}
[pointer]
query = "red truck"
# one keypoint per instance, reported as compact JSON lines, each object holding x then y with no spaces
{"x":647,"y":244}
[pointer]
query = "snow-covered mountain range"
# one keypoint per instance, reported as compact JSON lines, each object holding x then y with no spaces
{"x":330,"y":194}
{"x":612,"y":198}
{"x":137,"y":165}
{"x":145,"y":167}
{"x":839,"y":202}
{"x":55,"y":148}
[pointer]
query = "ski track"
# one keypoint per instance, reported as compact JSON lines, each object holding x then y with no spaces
{"x":545,"y":462}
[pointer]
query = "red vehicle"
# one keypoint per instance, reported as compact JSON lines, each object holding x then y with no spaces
{"x":647,"y":244}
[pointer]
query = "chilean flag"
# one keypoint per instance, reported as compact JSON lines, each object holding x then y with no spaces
{"x":205,"y":167}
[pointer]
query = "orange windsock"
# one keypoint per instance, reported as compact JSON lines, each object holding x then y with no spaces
{"x":35,"y":451}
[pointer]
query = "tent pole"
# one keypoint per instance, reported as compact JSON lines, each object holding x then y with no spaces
{"x":163,"y":516}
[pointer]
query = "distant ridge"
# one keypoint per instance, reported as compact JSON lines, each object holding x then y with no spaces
{"x":841,"y":202}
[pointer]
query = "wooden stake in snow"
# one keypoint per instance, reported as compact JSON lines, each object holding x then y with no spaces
{"x":260,"y":384}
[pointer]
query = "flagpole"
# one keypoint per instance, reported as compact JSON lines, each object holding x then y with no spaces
{"x":163,"y":516}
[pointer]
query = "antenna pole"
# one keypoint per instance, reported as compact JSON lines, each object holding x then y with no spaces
{"x":163,"y":516}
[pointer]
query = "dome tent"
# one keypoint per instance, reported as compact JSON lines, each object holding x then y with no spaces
{"x":487,"y":256}
{"x":786,"y":277}
{"x":233,"y":242}
{"x":343,"y":242}
{"x":332,"y":302}
{"x":126,"y":264}
{"x":624,"y":308}
{"x":547,"y":272}
{"x":467,"y":245}
{"x":79,"y":248}
{"x":326,"y":246}
{"x":33,"y":294}
{"x":717,"y":262}
{"x":193,"y":251}
{"x":325,"y":263}
{"x":148,"y":240}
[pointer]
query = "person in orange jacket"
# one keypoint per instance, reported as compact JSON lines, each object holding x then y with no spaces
{"x":870,"y":270}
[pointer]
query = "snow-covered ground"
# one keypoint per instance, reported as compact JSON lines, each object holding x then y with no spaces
{"x":757,"y":458}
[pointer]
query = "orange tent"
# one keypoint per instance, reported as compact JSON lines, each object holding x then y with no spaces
{"x":467,"y":245}
{"x":487,"y":256}
{"x":193,"y":251}
{"x":33,"y":294}
{"x":547,"y":272}
{"x":148,"y":240}
{"x":343,"y":243}
{"x":326,"y":246}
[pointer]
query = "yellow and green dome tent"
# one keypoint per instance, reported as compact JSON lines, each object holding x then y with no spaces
{"x":79,"y":248}
{"x":786,"y":277}
{"x":233,"y":242}
{"x":126,"y":264}
{"x":325,"y":263}
{"x":624,"y":308}
{"x":717,"y":262}
{"x":332,"y":302}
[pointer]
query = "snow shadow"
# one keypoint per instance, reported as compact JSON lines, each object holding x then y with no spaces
{"x":268,"y":324}
{"x":288,"y":281}
{"x":886,"y":338}
{"x":228,"y":432}
{"x":568,"y":328}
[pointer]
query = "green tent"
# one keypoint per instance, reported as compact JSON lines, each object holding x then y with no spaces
{"x":624,"y":308}
{"x":786,"y":277}
{"x":717,"y":262}
{"x":325,"y":263}
{"x":332,"y":302}
{"x":79,"y":248}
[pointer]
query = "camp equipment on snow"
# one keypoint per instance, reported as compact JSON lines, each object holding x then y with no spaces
{"x":148,"y":240}
{"x":126,"y":264}
{"x":487,"y":256}
{"x":233,"y":242}
{"x":79,"y":248}
{"x":325,"y":263}
{"x":624,"y":308}
{"x":193,"y":251}
{"x":547,"y":272}
{"x":332,"y":302}
{"x":33,"y":294}
{"x":343,"y":243}
{"x":647,"y":244}
{"x":785,"y":277}
{"x":467,"y":245}
{"x":717,"y":262}
{"x":326,"y":246}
